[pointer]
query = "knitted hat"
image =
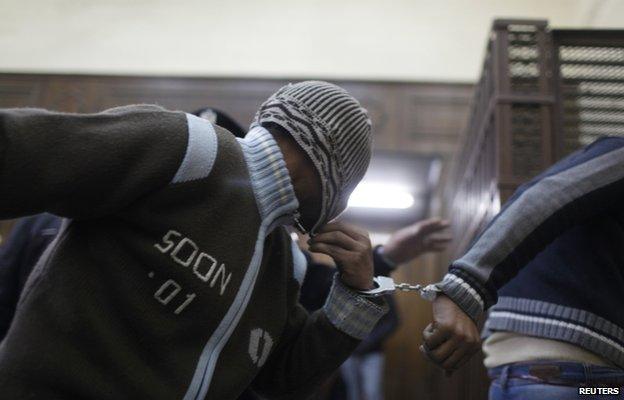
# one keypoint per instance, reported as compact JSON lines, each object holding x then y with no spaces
{"x":334,"y":131}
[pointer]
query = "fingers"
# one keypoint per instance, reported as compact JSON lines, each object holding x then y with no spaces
{"x":347,"y":261}
{"x":451,"y":354}
{"x":462,"y":354}
{"x":434,"y":337}
{"x":437,"y":248}
{"x":338,"y":238}
{"x":466,"y":357}
{"x":336,"y":252}
{"x":441,"y":353}
{"x":440,"y":239}
{"x":437,"y":243}
{"x":342,"y":235}
{"x":452,"y":338}
{"x":432,"y":225}
{"x":350,"y":247}
{"x":423,"y":349}
{"x":452,"y":362}
{"x":350,"y":230}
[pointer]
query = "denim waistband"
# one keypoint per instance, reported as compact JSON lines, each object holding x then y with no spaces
{"x":561,"y":373}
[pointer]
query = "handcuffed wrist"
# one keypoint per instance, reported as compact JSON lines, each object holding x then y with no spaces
{"x":355,"y":288}
{"x":463,"y":294}
{"x":351,"y":312}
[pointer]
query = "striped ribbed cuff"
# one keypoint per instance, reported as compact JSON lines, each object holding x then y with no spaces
{"x":463,"y":294}
{"x":351,"y":312}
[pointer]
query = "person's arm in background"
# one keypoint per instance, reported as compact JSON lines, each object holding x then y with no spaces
{"x":580,"y":187}
{"x":313,"y":346}
{"x":88,"y":165}
{"x":410,"y":242}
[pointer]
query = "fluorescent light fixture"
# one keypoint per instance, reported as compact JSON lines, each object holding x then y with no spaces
{"x":381,"y":195}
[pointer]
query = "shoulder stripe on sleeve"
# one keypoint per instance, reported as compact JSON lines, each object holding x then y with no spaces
{"x":536,"y":205}
{"x":201,"y":150}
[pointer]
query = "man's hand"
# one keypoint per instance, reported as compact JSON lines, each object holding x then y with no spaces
{"x":452,"y":338}
{"x":419,"y":238}
{"x":350,"y":247}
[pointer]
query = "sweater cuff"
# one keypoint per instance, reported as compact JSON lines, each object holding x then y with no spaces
{"x":463,"y":292}
{"x":351,"y":312}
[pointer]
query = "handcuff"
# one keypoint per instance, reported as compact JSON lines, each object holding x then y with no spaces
{"x":386,"y":285}
{"x":383,"y":284}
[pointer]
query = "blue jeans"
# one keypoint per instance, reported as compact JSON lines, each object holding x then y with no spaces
{"x":554,"y":381}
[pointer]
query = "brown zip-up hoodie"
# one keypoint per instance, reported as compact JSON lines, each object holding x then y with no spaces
{"x":172,"y":277}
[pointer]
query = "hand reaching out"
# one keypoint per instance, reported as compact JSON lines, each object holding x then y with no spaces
{"x":422,"y":237}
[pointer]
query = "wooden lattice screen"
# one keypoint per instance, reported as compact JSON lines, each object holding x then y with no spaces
{"x":542,"y":94}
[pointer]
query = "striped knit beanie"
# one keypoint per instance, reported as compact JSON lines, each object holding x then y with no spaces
{"x":332,"y":128}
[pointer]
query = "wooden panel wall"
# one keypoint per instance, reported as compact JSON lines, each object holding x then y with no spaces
{"x":424,"y":118}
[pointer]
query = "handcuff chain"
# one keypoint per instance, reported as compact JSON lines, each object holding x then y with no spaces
{"x":386,"y":285}
{"x":406,"y":287}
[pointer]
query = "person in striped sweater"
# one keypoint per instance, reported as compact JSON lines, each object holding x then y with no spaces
{"x":550,"y":268}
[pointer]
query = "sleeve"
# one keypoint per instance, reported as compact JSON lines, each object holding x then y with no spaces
{"x":88,"y":165}
{"x":387,"y":325}
{"x":316,"y":285}
{"x":313,"y":346}
{"x":576,"y":189}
